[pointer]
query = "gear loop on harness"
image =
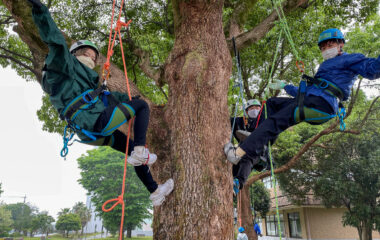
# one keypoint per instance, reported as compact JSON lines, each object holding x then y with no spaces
{"x":66,"y":140}
{"x":323,"y":84}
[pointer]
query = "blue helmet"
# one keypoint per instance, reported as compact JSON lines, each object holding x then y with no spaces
{"x":241,"y":229}
{"x":332,"y":33}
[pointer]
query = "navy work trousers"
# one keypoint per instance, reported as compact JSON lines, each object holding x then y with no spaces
{"x":139,"y":129}
{"x":280,"y":117}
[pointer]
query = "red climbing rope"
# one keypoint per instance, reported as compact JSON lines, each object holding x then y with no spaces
{"x":261,"y":110}
{"x":105,"y":76}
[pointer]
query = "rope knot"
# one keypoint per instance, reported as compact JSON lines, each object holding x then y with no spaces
{"x":118,"y":200}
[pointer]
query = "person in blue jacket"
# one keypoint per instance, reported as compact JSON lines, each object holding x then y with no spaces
{"x":94,"y":113}
{"x":315,"y":103}
{"x":257,"y":229}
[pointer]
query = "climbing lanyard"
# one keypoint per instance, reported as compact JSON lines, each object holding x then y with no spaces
{"x":105,"y":76}
{"x":240,"y":85}
{"x":274,"y":181}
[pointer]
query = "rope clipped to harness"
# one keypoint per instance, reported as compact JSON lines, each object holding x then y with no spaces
{"x":105,"y":76}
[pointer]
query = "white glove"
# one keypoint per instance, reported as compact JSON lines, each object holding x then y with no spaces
{"x":277,"y":85}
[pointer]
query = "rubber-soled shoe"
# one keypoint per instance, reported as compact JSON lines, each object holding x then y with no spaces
{"x":158,"y":197}
{"x":230,"y":152}
{"x":242,"y":135}
{"x":141,"y":155}
{"x":236,"y":186}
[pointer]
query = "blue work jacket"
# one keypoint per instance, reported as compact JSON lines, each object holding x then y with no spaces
{"x":341,"y":70}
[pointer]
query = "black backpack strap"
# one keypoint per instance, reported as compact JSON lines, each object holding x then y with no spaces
{"x":88,"y":98}
{"x":300,"y":99}
{"x":325,"y":85}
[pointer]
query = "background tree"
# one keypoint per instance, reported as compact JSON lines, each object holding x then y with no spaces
{"x":68,"y":222}
{"x":83,"y":212}
{"x":42,"y":222}
{"x":98,"y":168}
{"x":64,"y":211}
{"x":1,"y":190}
{"x":180,"y":55}
{"x":22,"y":216}
{"x":259,"y":199}
{"x":6,"y":221}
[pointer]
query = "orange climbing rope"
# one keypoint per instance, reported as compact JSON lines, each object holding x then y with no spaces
{"x":105,"y":76}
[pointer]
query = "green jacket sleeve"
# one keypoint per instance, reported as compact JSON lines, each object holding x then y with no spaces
{"x":121,"y":97}
{"x":59,"y":58}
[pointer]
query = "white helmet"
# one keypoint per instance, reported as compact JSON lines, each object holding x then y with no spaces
{"x":253,"y":102}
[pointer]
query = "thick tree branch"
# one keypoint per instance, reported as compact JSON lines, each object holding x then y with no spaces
{"x":238,"y":17}
{"x":16,"y":54}
{"x":246,"y":39}
{"x":19,"y":63}
{"x":156,"y":74}
{"x":7,"y":20}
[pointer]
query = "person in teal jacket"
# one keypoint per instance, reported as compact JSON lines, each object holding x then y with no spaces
{"x":91,"y":111}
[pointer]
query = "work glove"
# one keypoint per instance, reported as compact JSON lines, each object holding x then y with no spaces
{"x":277,"y":85}
{"x":36,"y":3}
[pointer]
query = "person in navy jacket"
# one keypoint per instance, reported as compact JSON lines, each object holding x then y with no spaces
{"x":331,"y":84}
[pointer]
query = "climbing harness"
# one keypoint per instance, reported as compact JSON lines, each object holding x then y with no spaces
{"x":312,"y":115}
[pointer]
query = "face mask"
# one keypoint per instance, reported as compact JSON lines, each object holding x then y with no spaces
{"x":330,"y":53}
{"x":253,"y":113}
{"x":86,"y":61}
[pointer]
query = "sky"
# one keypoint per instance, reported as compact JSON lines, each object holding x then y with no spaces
{"x":30,"y":162}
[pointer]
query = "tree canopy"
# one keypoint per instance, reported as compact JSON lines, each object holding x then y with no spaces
{"x":68,"y":222}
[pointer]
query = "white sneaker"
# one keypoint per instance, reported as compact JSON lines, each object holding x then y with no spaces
{"x":230,"y":152}
{"x":141,"y":155}
{"x":158,"y":197}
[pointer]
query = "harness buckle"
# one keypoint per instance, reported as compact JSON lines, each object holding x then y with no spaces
{"x":87,"y":98}
{"x":323,"y":84}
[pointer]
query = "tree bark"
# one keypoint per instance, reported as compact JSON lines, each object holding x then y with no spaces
{"x":245,"y":213}
{"x":197,"y":71}
{"x":129,"y":233}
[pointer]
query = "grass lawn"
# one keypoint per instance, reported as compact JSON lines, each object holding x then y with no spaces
{"x":59,"y":237}
{"x":133,"y":238}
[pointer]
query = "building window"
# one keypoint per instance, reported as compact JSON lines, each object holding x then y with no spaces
{"x":268,"y":182}
{"x":272,"y":225}
{"x":295,"y":225}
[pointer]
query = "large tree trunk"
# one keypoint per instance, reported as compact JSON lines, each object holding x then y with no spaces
{"x":245,"y":213}
{"x":129,"y":233}
{"x":198,"y":71}
{"x":366,"y":231}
